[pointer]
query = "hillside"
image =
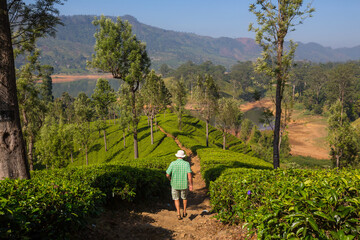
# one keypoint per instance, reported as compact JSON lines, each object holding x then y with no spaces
{"x":74,"y":42}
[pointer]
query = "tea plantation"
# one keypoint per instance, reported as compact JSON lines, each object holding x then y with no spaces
{"x":281,"y":204}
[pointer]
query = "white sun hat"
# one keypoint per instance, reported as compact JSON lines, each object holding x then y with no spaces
{"x":180,"y":154}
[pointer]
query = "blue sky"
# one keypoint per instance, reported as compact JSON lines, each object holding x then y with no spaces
{"x":334,"y":24}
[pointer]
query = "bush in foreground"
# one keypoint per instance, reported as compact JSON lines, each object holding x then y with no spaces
{"x":290,"y":204}
{"x":54,"y":203}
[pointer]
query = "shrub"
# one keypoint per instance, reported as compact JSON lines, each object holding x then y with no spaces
{"x":214,"y":161}
{"x":290,"y":204}
{"x":56,"y":202}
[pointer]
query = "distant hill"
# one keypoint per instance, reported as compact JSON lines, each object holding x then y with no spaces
{"x":74,"y":42}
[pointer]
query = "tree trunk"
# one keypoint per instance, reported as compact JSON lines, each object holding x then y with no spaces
{"x":136,"y":151}
{"x":224,"y":140}
{"x":86,"y":155}
{"x":105,"y":140}
{"x":13,"y":161}
{"x":278,"y":99}
{"x":72,"y":158}
{"x":30,"y":153}
{"x":293,"y":92}
{"x":207,"y":132}
{"x":124,"y":139}
{"x":151,"y":130}
{"x":180,"y":122}
{"x":134,"y":119}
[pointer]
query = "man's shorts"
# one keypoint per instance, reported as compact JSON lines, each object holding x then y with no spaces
{"x":176,"y":194}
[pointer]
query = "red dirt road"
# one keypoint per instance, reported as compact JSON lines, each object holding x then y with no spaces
{"x":71,"y":78}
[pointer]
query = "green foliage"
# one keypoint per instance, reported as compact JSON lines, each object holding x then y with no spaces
{"x":103,"y":96}
{"x":344,"y":144}
{"x":31,"y":21}
{"x":306,"y":162}
{"x":45,"y":208}
{"x":193,"y":133}
{"x":53,"y":204}
{"x":215,"y":161}
{"x":163,"y":147}
{"x":178,"y":93}
{"x":290,"y":204}
{"x":55,"y":144}
{"x":227,"y":117}
{"x":117,"y":49}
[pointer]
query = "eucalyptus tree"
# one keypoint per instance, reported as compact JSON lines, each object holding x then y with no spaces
{"x":275,"y":19}
{"x":118,"y":51}
{"x":206,"y":100}
{"x":155,"y":96}
{"x":341,"y":86}
{"x":226,"y":117}
{"x":103,"y":97}
{"x":32,"y":108}
{"x":344,"y":145}
{"x":125,"y":110}
{"x":315,"y":94}
{"x":179,"y":100}
{"x":46,"y":83}
{"x":84,"y":108}
{"x":20,"y":22}
{"x":83,"y":137}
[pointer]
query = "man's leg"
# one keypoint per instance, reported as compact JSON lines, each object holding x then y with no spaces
{"x":185,"y":204}
{"x":177,"y":205}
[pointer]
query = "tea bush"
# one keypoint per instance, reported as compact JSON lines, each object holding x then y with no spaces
{"x":56,"y":202}
{"x":193,"y":136}
{"x":214,"y":161}
{"x":290,"y":204}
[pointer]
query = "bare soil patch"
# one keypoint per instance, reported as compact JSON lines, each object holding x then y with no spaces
{"x":307,"y":134}
{"x":71,"y":78}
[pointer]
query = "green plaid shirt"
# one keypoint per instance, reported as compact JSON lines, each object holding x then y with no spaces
{"x":178,"y":171}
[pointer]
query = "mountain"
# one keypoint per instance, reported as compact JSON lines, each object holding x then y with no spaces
{"x":74,"y":43}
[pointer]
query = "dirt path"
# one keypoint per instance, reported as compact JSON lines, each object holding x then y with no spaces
{"x":161,"y":221}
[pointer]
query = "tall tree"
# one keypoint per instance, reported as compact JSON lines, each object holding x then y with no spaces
{"x":342,"y":138}
{"x":341,"y":86}
{"x":19,"y":23}
{"x":84,"y":108}
{"x":118,"y":51}
{"x":275,"y":20}
{"x":206,"y":99}
{"x":103,"y":97}
{"x":32,"y":108}
{"x":178,"y":92}
{"x":156,"y":97}
{"x":226,"y":117}
{"x":46,"y":83}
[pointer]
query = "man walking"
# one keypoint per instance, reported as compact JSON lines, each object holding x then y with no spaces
{"x":179,"y":174}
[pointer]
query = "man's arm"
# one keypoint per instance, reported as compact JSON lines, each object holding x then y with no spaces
{"x":190,"y":181}
{"x":168,"y":176}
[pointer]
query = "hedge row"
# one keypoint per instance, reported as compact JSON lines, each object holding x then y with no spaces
{"x":192,"y":135}
{"x":215,"y":161}
{"x":290,"y":204}
{"x":54,"y":203}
